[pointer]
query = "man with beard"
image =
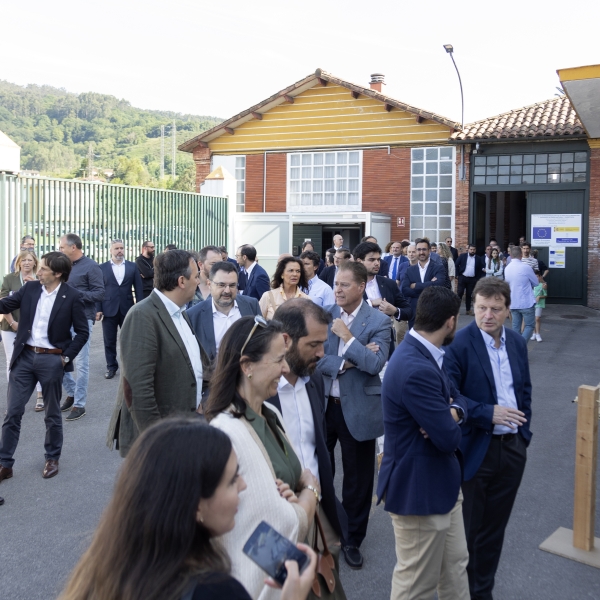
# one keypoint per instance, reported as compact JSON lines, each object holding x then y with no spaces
{"x":215,"y":315}
{"x":420,"y":474}
{"x":145,"y":265}
{"x":300,"y":399}
{"x":208,"y":256}
{"x":470,"y":268}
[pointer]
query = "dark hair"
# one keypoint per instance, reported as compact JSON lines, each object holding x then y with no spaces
{"x":493,"y":240}
{"x":492,"y":287}
{"x":534,"y":253}
{"x":366,"y":238}
{"x":169,"y":267}
{"x":359,"y":271}
{"x":170,"y":247}
{"x":281,"y":265}
{"x":526,"y":244}
{"x":365,"y":248}
{"x":58,"y":262}
{"x":248,"y":251}
{"x":344,"y":253}
{"x":148,"y":543}
{"x":73,"y":240}
{"x":223,"y":249}
{"x":404,"y":244}
{"x":306,"y":243}
{"x":313,"y":256}
{"x":423,"y":241}
{"x":204,"y":252}
{"x":224,"y":265}
{"x":435,"y":306}
{"x":471,"y":246}
{"x":228,"y":372}
{"x":433,"y":244}
{"x":146,"y":244}
{"x":293,"y":314}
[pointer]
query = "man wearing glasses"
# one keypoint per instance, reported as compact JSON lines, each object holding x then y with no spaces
{"x":213,"y":317}
{"x":453,"y":250}
{"x":145,"y":265}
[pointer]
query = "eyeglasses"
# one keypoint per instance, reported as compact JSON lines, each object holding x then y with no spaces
{"x":224,"y":286}
{"x":258,"y":321}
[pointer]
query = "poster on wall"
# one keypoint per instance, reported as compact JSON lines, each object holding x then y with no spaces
{"x":556,"y":230}
{"x":557,"y":257}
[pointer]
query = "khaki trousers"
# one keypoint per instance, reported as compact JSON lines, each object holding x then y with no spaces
{"x":432,"y":554}
{"x":400,"y":328}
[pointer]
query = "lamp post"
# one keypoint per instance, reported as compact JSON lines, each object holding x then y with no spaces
{"x":450,"y":50}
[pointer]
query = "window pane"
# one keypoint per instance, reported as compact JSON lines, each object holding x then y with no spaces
{"x":566,"y":168}
{"x":306,"y":159}
{"x":431,"y":153}
{"x":416,"y":195}
{"x":417,"y":168}
{"x":491,"y":180}
{"x":416,"y":233}
{"x":317,"y":199}
{"x":445,"y":195}
{"x":479,"y":180}
{"x":503,"y":180}
{"x":240,"y":161}
{"x":446,"y":167}
{"x":479,"y":171}
{"x":417,"y":153}
{"x":566,"y":178}
{"x":431,"y":195}
{"x":431,"y":233}
{"x":492,"y":160}
{"x":553,"y":178}
{"x":416,"y":209}
{"x":445,"y":222}
{"x":416,"y":222}
{"x":330,"y":158}
{"x":295,"y":173}
{"x":353,"y":185}
{"x":317,"y":186}
{"x":431,"y":222}
{"x":353,"y":158}
{"x":541,"y":159}
{"x":295,"y":160}
{"x":306,"y":185}
{"x":294,"y":199}
{"x":329,"y":172}
{"x":480,"y":160}
{"x":340,"y":199}
{"x":541,"y":168}
{"x":306,"y":171}
{"x":446,"y":181}
{"x":567,"y":157}
{"x":581,"y":156}
{"x":318,"y":159}
{"x":503,"y":170}
{"x":329,"y":185}
{"x":431,"y":168}
{"x":580,"y":167}
{"x":342,"y":158}
{"x":553,"y":158}
{"x":431,"y":181}
{"x":444,"y":233}
{"x":353,"y":171}
{"x":318,"y":172}
{"x":353,"y":198}
{"x":528,"y":169}
{"x":554,"y":168}
{"x":516,"y":169}
{"x":341,"y":185}
{"x":515,"y":179}
{"x":305,"y":200}
{"x":430,"y":208}
{"x":529,"y":159}
{"x":240,"y":186}
{"x":417,"y":182}
{"x":445,"y":152}
{"x":342,"y":172}
{"x":445,"y":208}
{"x":504,"y":160}
{"x":294,"y":186}
{"x":541,"y":178}
{"x":492,"y":171}
{"x":528,"y":178}
{"x":579,"y":178}
{"x":329,"y":199}
{"x":516,"y":159}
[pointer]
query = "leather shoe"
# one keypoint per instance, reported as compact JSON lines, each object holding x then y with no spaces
{"x":109,"y":374}
{"x":353,"y":557}
{"x":5,"y":473}
{"x":1,"y":500}
{"x":50,"y":469}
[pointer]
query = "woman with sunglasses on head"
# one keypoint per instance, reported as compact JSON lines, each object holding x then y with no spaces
{"x":493,"y":264}
{"x":250,"y":364}
{"x":288,"y":282}
{"x":177,"y":493}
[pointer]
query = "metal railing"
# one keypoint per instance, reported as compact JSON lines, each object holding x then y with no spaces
{"x":47,"y":208}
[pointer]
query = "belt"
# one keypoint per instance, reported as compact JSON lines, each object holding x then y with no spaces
{"x":504,"y":437}
{"x":335,"y":399}
{"x":44,"y":350}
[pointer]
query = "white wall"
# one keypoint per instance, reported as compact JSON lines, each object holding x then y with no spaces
{"x":10,"y":155}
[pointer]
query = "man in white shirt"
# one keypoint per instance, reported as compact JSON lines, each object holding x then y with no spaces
{"x":318,"y":291}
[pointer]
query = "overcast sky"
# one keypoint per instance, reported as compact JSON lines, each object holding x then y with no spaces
{"x":219,"y":58}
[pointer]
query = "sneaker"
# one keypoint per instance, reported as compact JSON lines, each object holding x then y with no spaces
{"x":76,"y":413}
{"x":67,"y":404}
{"x":534,"y":337}
{"x":538,"y":337}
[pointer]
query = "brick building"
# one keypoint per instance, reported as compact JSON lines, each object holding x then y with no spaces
{"x":327,"y":156}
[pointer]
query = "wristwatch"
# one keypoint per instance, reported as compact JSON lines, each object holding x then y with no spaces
{"x":313,"y":490}
{"x":66,"y":359}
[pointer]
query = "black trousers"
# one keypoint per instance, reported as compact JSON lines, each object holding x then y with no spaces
{"x":110,"y":325}
{"x":358,"y":460}
{"x":488,"y":502}
{"x":468,"y":284}
{"x":28,"y":369}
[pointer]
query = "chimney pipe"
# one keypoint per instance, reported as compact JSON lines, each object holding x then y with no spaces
{"x":377,"y":80}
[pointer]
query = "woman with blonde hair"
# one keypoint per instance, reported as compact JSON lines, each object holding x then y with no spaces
{"x":26,"y":265}
{"x":445,"y":253}
{"x":288,"y":282}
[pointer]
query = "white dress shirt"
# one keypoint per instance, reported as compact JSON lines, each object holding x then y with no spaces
{"x":470,"y":266}
{"x":372,"y":290}
{"x":298,"y":421}
{"x":503,"y":379}
{"x":39,"y":329}
{"x":423,"y":270}
{"x":347,"y":319}
{"x":221,"y":322}
{"x":119,"y":271}
{"x":188,"y":338}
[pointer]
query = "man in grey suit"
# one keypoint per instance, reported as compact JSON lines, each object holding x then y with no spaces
{"x":213,"y":317}
{"x":355,"y":352}
{"x":161,"y":359}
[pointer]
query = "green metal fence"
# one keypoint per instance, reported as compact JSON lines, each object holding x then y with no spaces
{"x":48,"y":208}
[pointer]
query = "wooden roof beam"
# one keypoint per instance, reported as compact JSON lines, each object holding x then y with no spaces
{"x":322,"y":81}
{"x":355,"y":95}
{"x":289,"y":99}
{"x":419,"y":119}
{"x":388,"y":107}
{"x":258,"y":116}
{"x":229,"y":130}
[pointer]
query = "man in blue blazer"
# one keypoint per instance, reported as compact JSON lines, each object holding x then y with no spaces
{"x":489,"y":363}
{"x":120,"y":278}
{"x":420,"y":473}
{"x":426,"y":273}
{"x":356,"y":350}
{"x":301,"y":400}
{"x":44,"y":350}
{"x":213,"y":317}
{"x":256,"y":281}
{"x":394,"y":260}
{"x":469,"y":270}
{"x":225,"y":256}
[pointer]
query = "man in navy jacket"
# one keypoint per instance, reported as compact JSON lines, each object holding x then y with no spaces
{"x":120,"y":277}
{"x":256,"y":281}
{"x":469,"y":270}
{"x":420,"y":474}
{"x":489,"y":363}
{"x":44,"y":350}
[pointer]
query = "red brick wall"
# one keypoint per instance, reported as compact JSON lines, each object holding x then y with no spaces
{"x":254,"y":182}
{"x":593,"y":299}
{"x":386,"y":186}
{"x":202,"y":159}
{"x":276,"y":182}
{"x":461,"y":213}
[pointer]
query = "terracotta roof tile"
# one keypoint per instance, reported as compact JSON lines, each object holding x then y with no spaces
{"x":552,"y":118}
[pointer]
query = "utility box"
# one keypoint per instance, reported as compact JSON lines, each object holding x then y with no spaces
{"x":10,"y":155}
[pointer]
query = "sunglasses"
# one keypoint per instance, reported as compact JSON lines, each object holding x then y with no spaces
{"x":258,"y":322}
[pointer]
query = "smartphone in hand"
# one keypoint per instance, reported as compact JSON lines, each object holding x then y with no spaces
{"x":269,"y":550}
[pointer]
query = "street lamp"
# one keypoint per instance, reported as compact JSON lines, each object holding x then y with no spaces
{"x":450,"y":50}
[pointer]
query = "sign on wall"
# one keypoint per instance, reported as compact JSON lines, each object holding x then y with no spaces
{"x":556,"y":230}
{"x":557,"y":257}
{"x":401,"y":221}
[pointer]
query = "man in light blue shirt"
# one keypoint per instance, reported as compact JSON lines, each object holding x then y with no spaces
{"x":521,"y":279}
{"x":318,"y":291}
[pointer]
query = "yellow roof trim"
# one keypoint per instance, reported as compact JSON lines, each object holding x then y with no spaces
{"x":578,"y":73}
{"x":594,"y":143}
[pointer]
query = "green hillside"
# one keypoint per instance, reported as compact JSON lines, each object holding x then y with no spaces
{"x":55,"y":128}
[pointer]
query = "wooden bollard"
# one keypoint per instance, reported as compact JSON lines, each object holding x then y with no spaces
{"x":585,"y":467}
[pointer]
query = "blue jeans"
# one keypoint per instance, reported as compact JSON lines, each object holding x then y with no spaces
{"x":77,"y":388}
{"x":520,"y":314}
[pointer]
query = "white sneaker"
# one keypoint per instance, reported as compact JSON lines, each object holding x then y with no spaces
{"x":538,"y":337}
{"x":533,"y":337}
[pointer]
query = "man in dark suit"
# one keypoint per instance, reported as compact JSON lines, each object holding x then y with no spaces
{"x":356,"y":350}
{"x":256,"y":281}
{"x":341,"y":256}
{"x":212,"y":318}
{"x":225,"y":257}
{"x":394,"y":260}
{"x":383,"y":266}
{"x":301,"y":401}
{"x":120,"y":277}
{"x":470,"y":268}
{"x":44,"y":349}
{"x":452,"y":249}
{"x":162,"y":361}
{"x":426,"y":273}
{"x":420,"y":474}
{"x":489,"y":363}
{"x":145,"y":265}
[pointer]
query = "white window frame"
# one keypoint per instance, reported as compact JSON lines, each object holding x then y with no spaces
{"x":294,"y":198}
{"x":229,"y":162}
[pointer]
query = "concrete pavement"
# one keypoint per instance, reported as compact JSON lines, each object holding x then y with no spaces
{"x":45,"y":525}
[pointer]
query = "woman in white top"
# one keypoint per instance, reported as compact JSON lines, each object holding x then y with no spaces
{"x":444,"y":252}
{"x":493,"y":264}
{"x":288,"y":282}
